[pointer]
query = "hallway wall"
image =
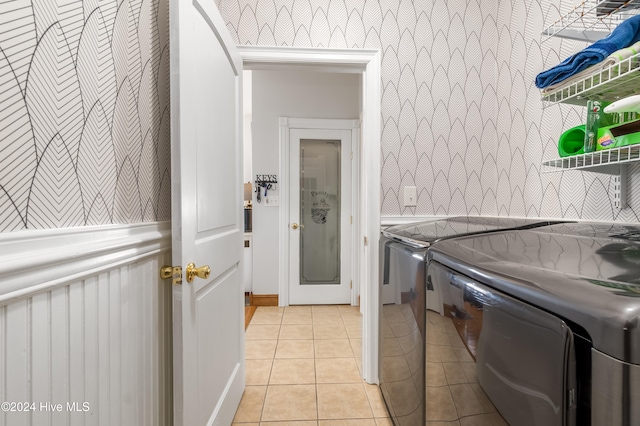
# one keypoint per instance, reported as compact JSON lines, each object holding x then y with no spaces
{"x":84,"y":134}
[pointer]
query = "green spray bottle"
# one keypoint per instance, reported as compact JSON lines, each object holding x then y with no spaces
{"x":596,"y":118}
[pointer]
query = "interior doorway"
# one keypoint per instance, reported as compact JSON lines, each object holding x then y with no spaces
{"x":366,"y":65}
{"x":298,"y":94}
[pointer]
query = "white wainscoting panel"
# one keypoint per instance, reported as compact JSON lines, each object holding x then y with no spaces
{"x":100,"y":345}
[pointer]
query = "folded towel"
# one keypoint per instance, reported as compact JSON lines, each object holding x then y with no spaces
{"x":624,"y":35}
{"x":614,"y":58}
{"x":622,"y":54}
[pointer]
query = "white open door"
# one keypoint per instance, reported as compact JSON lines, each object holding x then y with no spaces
{"x":208,"y":319}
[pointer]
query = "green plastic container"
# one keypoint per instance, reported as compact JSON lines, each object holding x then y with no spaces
{"x":571,"y":142}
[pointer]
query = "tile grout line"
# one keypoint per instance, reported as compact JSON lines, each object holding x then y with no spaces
{"x":276,"y":351}
{"x":315,"y":369}
{"x":264,"y":399}
{"x":273,"y":363}
{"x":270,"y":371}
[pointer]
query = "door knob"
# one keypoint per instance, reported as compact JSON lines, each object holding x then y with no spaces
{"x":201,"y":272}
{"x":294,"y":225}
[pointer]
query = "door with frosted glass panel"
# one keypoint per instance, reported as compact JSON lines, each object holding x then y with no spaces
{"x":320,"y":216}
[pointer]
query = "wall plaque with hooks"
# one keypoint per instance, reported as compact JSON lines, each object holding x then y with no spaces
{"x":266,"y":178}
{"x":265,"y":182}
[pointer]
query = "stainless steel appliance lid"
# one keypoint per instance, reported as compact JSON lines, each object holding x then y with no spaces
{"x":625,"y":231}
{"x":423,"y":234}
{"x":586,"y":273}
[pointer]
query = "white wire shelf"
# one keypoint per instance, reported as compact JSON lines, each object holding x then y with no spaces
{"x":612,"y":161}
{"x":598,"y":161}
{"x":605,"y":84}
{"x":591,"y":20}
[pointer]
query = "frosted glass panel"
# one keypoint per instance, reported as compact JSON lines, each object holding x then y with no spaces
{"x":319,"y":211}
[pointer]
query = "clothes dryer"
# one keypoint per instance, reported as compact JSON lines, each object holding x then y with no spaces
{"x":544,"y":324}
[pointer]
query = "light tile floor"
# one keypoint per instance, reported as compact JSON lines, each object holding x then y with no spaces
{"x":303,"y":369}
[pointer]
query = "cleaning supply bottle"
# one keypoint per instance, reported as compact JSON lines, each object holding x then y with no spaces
{"x":591,"y":127}
{"x":596,"y":118}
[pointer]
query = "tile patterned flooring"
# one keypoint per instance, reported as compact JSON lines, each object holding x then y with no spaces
{"x":303,"y":369}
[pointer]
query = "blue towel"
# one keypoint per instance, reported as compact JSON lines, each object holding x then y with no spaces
{"x":624,"y":35}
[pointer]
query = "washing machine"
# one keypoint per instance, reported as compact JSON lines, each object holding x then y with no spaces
{"x":405,"y":297}
{"x":537,"y":327}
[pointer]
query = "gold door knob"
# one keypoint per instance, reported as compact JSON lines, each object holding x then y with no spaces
{"x":201,"y":272}
{"x":294,"y":225}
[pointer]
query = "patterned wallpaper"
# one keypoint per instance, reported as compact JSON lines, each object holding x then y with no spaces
{"x":461,"y":117}
{"x":84,"y":130}
{"x":84,"y":95}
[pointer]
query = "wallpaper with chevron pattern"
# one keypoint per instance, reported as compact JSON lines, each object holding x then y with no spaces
{"x":461,"y":118}
{"x":84,"y":95}
{"x":84,"y":128}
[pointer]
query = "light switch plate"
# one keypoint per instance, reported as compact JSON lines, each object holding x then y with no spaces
{"x":271,"y":201}
{"x":410,"y":196}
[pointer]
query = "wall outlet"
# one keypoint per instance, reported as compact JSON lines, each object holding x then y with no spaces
{"x":410,"y":196}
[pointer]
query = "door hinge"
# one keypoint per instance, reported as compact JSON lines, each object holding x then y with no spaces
{"x":351,"y":220}
{"x":351,"y":284}
{"x":174,"y":272}
{"x":352,"y":155}
{"x":366,"y":241}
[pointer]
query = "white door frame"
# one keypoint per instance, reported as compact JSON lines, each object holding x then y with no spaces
{"x":286,"y":124}
{"x":367,"y":63}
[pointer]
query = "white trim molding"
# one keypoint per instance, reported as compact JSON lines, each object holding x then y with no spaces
{"x":366,"y":62}
{"x":313,"y":59}
{"x":36,"y":261}
{"x":283,"y":247}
